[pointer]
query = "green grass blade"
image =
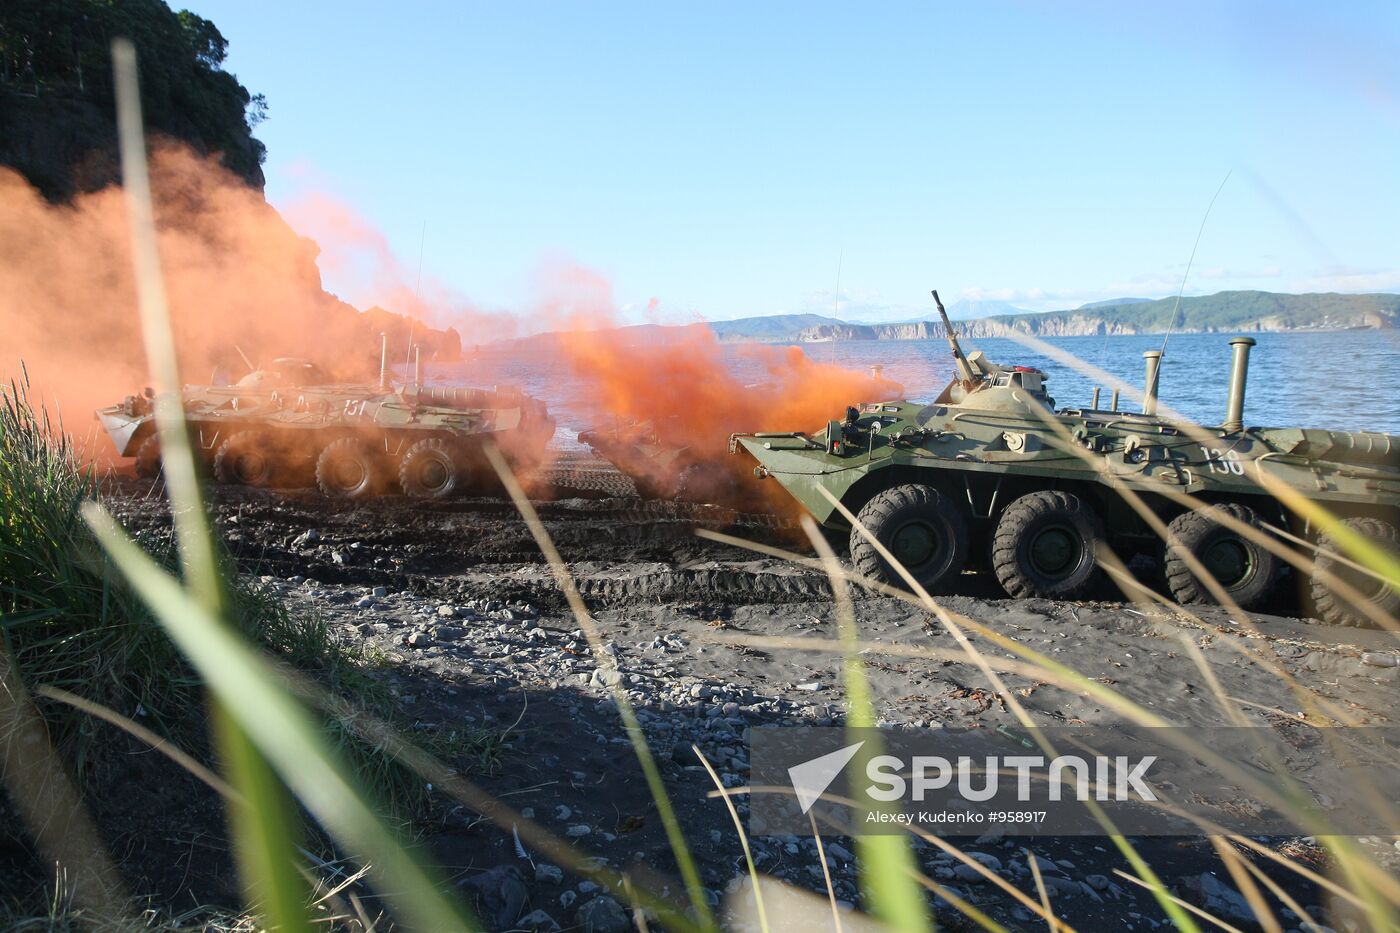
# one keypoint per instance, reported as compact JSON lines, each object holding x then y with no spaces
{"x":887,"y":865}
{"x":263,"y":827}
{"x":201,"y":563}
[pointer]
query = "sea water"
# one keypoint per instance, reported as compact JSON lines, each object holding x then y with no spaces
{"x":1340,"y":380}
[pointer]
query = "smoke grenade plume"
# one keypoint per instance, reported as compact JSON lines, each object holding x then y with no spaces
{"x":241,"y":283}
{"x":675,"y":387}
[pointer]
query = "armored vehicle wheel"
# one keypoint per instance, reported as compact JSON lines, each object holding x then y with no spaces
{"x":148,"y":458}
{"x":1243,"y":569}
{"x":244,"y":458}
{"x":1044,"y":546}
{"x":925,"y":530}
{"x":347,"y":469}
{"x":1334,"y":609}
{"x":430,"y":470}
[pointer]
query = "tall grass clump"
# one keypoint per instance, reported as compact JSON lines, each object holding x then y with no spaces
{"x":61,"y":616}
{"x":74,"y":627}
{"x":70,"y":622}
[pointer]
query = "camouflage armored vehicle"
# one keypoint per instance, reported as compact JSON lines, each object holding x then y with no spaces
{"x":991,"y":473}
{"x":288,"y":424}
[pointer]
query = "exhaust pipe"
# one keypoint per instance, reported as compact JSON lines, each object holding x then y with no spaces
{"x":384,"y":361}
{"x":1149,"y":392}
{"x":1239,"y":373}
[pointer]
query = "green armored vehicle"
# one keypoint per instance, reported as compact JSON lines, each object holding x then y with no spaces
{"x":993,"y":475}
{"x":288,"y":424}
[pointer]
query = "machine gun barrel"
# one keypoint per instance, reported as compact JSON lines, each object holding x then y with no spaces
{"x":964,"y":370}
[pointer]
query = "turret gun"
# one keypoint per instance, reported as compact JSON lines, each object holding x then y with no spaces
{"x":965,"y":370}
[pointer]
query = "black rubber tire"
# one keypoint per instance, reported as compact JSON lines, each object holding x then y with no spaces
{"x":1045,"y":545}
{"x":245,"y":458}
{"x":148,"y":464}
{"x":432,"y":470}
{"x":924,"y":529}
{"x":1247,"y":571}
{"x":1333,"y":609}
{"x":348,"y":469}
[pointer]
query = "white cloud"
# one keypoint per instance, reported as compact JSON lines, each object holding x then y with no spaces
{"x":1347,"y":280}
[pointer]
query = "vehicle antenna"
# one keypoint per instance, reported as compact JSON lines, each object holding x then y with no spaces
{"x":417,"y":296}
{"x":1172,"y":323}
{"x":249,"y":362}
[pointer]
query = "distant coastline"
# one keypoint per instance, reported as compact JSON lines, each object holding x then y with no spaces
{"x":1226,"y":312}
{"x":1233,"y":312}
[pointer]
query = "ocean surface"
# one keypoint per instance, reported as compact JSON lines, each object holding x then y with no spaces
{"x":1341,"y":380}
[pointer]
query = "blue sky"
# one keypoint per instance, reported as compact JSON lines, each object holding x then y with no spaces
{"x":729,"y":159}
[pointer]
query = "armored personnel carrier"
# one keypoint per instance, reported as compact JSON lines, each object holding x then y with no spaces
{"x":288,"y":424}
{"x":992,"y":474}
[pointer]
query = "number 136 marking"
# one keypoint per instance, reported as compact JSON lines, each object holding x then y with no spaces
{"x":1222,"y":461}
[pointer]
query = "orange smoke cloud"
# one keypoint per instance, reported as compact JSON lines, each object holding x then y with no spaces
{"x":237,"y":275}
{"x":240,"y":278}
{"x":677,"y":381}
{"x":681,"y":383}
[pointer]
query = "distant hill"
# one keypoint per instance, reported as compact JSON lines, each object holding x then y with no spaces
{"x":1242,"y":311}
{"x":1206,"y":314}
{"x":776,"y":327}
{"x":1233,"y":312}
{"x":1110,"y":302}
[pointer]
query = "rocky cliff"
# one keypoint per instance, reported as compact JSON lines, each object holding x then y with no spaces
{"x":1232,"y":312}
{"x":914,"y":330}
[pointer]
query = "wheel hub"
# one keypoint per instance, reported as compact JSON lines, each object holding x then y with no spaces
{"x":348,"y":474}
{"x":1054,"y":551}
{"x":434,"y":474}
{"x":249,"y":467}
{"x":1229,"y":560}
{"x":915,"y":544}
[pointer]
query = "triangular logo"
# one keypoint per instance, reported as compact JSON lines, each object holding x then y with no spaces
{"x":811,"y":778}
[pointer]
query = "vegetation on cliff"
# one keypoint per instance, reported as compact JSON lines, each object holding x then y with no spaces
{"x":1205,"y":314}
{"x":57,"y":123}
